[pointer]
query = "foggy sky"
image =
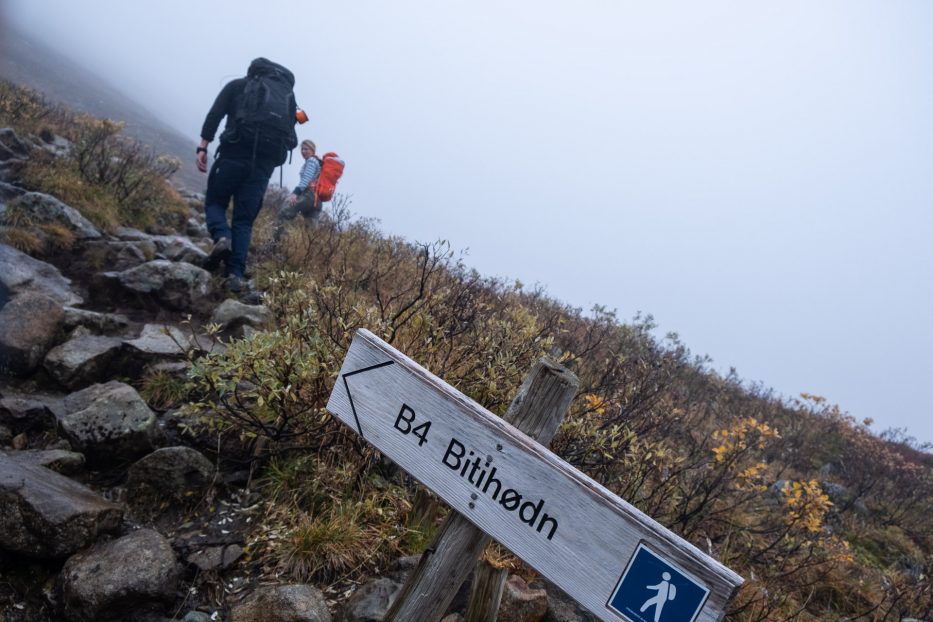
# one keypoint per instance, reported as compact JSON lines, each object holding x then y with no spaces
{"x":755,"y":175}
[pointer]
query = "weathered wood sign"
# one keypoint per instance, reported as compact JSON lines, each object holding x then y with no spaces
{"x":610,"y":557}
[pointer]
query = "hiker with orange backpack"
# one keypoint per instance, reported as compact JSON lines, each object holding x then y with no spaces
{"x":302,"y":200}
{"x":316,"y":185}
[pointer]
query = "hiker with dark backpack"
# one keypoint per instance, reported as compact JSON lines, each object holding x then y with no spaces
{"x":259,"y":134}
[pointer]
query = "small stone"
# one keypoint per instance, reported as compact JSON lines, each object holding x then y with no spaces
{"x":215,"y":557}
{"x":521,"y":603}
{"x":20,"y":441}
{"x":96,"y":322}
{"x":285,"y":603}
{"x":170,"y":472}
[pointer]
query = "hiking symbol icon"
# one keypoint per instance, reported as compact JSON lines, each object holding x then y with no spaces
{"x":665,"y":592}
{"x":654,"y":589}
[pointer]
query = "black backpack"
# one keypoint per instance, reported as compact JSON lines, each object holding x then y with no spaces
{"x":265,"y":113}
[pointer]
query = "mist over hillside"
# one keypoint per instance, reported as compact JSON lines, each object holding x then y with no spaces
{"x":29,"y":63}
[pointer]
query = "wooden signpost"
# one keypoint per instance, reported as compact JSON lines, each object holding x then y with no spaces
{"x":607,"y":555}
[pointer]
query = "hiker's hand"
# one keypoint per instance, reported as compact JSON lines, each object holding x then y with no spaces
{"x":202,"y":161}
{"x":292,"y":199}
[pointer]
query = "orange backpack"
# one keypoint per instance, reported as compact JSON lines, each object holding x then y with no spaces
{"x":331,"y":170}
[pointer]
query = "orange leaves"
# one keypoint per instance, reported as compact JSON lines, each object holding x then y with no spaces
{"x":746,"y":434}
{"x":806,"y":505}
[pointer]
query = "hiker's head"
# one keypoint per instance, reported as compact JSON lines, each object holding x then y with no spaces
{"x":308,"y":149}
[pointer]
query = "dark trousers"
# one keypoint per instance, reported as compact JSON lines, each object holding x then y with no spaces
{"x":245,"y":182}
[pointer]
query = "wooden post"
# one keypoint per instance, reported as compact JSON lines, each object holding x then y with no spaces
{"x":488,"y":582}
{"x":537,"y":410}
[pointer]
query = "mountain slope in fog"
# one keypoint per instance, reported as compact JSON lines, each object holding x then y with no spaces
{"x":28,"y":63}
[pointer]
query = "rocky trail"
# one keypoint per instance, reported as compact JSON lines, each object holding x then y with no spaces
{"x":110,"y":507}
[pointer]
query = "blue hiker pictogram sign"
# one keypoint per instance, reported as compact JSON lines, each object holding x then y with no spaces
{"x":653,"y":589}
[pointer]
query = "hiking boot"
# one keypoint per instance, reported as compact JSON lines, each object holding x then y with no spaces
{"x":234,"y":284}
{"x":218,"y":255}
{"x":243,"y":289}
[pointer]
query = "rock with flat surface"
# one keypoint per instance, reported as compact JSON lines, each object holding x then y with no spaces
{"x":158,"y":341}
{"x":58,"y":460}
{"x":45,"y":514}
{"x":117,"y":255}
{"x":285,"y":603}
{"x":29,"y":326}
{"x":215,"y":557}
{"x":112,"y":579}
{"x":83,"y":360}
{"x":96,"y":323}
{"x":20,"y":273}
{"x":179,"y":248}
{"x":109,"y":421}
{"x":45,"y":209}
{"x":170,"y":473}
{"x":232,"y":314}
{"x":175,"y":285}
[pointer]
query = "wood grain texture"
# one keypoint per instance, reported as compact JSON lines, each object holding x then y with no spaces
{"x":486,"y":595}
{"x":596,"y":533}
{"x":538,"y":408}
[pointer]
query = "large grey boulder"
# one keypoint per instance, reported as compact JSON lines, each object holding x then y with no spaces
{"x":232,"y":314}
{"x":110,"y":421}
{"x":170,"y":473}
{"x":20,"y":273}
{"x":46,"y":209}
{"x":29,"y":326}
{"x":83,"y":360}
{"x":135,"y":572}
{"x":44,"y":514}
{"x":285,"y":603}
{"x":176,"y":285}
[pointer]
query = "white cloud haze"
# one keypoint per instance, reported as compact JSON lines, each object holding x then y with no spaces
{"x":756,"y":175}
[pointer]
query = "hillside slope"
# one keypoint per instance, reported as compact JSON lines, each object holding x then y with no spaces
{"x":29,"y":63}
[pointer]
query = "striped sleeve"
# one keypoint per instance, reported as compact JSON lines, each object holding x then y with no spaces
{"x":309,"y":173}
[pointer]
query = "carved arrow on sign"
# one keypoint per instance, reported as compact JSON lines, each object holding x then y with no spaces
{"x":356,"y":418}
